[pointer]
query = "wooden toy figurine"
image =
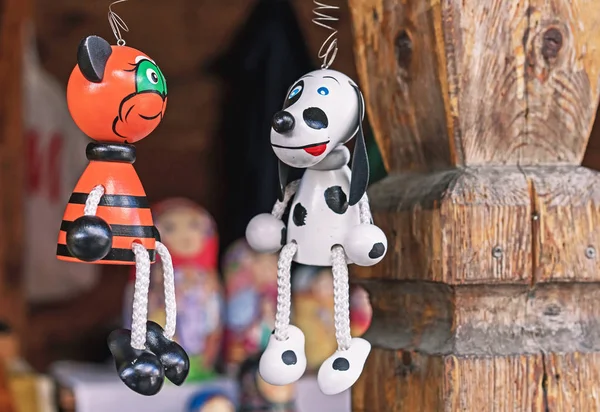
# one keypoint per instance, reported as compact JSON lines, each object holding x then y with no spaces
{"x":329,"y":223}
{"x":117,"y":96}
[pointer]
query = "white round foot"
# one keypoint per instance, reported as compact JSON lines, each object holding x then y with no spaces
{"x":342,"y":369}
{"x":365,"y":245}
{"x":283,"y":362}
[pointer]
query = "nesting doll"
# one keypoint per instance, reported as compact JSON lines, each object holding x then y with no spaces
{"x":211,"y":400}
{"x":251,"y":290}
{"x":258,"y":395}
{"x":117,"y":96}
{"x":190,"y":233}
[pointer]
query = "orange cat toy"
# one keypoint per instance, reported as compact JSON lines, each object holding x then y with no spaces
{"x":117,"y":96}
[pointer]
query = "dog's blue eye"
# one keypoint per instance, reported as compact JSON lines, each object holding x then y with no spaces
{"x":323,"y":91}
{"x":295,"y":91}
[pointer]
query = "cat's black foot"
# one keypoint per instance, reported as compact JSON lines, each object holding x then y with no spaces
{"x":173,"y":357}
{"x":140,"y":370}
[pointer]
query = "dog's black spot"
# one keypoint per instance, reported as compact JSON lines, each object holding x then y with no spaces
{"x":315,"y":118}
{"x":283,"y":235}
{"x":341,"y":364}
{"x":299,"y":215}
{"x":289,"y":357}
{"x":290,"y":100}
{"x":336,"y":199}
{"x":377,"y":251}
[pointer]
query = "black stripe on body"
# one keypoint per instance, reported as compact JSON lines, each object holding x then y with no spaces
{"x":139,"y":202}
{"x":122,"y":230}
{"x":123,"y":255}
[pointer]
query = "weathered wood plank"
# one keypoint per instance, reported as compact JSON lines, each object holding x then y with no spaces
{"x":488,"y":83}
{"x":571,"y":381}
{"x":476,"y":225}
{"x":484,"y":43}
{"x":562,"y":71}
{"x":567,"y":203}
{"x":504,"y":384}
{"x":400,"y":61}
{"x":400,"y":381}
{"x":408,"y":382}
{"x":483,"y":320}
{"x":459,"y":226}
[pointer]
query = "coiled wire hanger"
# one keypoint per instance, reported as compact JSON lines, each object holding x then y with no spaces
{"x":329,"y":47}
{"x":117,"y":23}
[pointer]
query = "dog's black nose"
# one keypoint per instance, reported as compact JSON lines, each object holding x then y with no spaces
{"x":315,"y":118}
{"x":283,"y":122}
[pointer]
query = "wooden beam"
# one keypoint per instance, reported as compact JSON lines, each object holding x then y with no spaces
{"x":12,"y":20}
{"x":488,"y":296}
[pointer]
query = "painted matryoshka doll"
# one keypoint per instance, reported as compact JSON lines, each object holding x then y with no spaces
{"x":251,"y":290}
{"x":211,"y":400}
{"x":191,"y":234}
{"x":257,"y":395}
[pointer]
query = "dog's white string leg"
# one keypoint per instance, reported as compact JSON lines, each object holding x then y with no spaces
{"x":284,"y":290}
{"x":284,"y":361}
{"x":343,"y":368}
{"x":341,"y":297}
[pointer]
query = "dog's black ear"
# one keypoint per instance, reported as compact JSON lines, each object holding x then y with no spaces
{"x":92,"y":55}
{"x":284,"y":171}
{"x":360,"y":162}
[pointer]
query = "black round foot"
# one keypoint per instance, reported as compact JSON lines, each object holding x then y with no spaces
{"x":140,"y":370}
{"x":172,"y":356}
{"x":89,"y":238}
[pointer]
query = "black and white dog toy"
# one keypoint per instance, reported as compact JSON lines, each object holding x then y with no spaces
{"x":330,"y":220}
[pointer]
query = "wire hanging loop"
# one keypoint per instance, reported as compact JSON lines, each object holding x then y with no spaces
{"x":117,"y":23}
{"x":329,"y":48}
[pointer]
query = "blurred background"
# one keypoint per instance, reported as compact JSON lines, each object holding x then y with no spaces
{"x":208,"y":169}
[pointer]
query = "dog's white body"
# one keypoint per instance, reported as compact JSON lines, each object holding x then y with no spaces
{"x":323,"y":228}
{"x":329,"y":222}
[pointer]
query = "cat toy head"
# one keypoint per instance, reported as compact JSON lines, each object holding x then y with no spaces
{"x":323,"y":110}
{"x":115,"y":94}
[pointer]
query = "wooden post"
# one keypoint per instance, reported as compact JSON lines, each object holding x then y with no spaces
{"x":489,"y":298}
{"x":13,"y":15}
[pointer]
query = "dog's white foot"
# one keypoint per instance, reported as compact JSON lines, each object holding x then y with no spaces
{"x":342,"y":369}
{"x":284,"y":362}
{"x":365,"y":245}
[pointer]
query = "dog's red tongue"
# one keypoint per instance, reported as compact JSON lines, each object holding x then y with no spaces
{"x":316,"y":150}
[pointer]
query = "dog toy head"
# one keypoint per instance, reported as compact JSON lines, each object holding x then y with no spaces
{"x":322,"y":110}
{"x":115,"y":94}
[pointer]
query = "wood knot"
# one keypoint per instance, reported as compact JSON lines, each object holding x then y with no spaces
{"x":403,"y":46}
{"x":406,"y":367}
{"x":551,"y":43}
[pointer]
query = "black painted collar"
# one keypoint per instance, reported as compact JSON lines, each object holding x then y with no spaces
{"x":110,"y":152}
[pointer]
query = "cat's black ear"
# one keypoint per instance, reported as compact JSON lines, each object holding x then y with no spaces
{"x":92,"y":55}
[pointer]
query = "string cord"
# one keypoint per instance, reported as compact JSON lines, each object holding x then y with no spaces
{"x":329,"y":48}
{"x":117,"y":23}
